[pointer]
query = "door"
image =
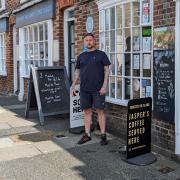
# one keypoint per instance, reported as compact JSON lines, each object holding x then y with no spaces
{"x":71,"y":50}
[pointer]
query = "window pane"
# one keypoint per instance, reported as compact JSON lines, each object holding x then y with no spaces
{"x":46,"y":31}
{"x":127,"y":89}
{"x":30,"y":34}
{"x":119,"y":88}
{"x":119,"y":41}
{"x":112,"y":41}
{"x":41,"y":50}
{"x":112,"y":66}
{"x":136,"y":64}
{"x":41,"y":32}
{"x":31,"y":51}
{"x":36,"y":51}
{"x":101,"y":41}
{"x":146,"y":65}
{"x":127,"y":16}
{"x":127,"y":57}
{"x":35,"y":33}
{"x":107,"y":19}
{"x":112,"y":87}
{"x":119,"y":16}
{"x":46,"y":50}
{"x":136,"y":88}
{"x":25,"y":35}
{"x":107,"y":41}
{"x":136,"y":39}
{"x":128,"y":39}
{"x":136,"y":14}
{"x":146,"y":88}
{"x":119,"y":64}
{"x":26,"y":51}
{"x":112,"y":18}
{"x":101,"y":24}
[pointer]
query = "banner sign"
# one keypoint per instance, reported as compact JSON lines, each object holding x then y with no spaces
{"x":76,"y":114}
{"x":139,"y":127}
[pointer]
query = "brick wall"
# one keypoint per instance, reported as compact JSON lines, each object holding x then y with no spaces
{"x":82,"y":11}
{"x":6,"y":82}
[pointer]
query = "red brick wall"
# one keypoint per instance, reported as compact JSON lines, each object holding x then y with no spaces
{"x":6,"y":82}
{"x":82,"y":11}
{"x":164,"y":12}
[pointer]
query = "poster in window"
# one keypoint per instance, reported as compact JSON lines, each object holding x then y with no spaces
{"x":136,"y":43}
{"x":146,"y":61}
{"x":146,"y":44}
{"x":136,"y":61}
{"x":164,"y":38}
{"x":146,"y":16}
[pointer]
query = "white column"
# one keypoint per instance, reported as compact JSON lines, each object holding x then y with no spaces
{"x":177,"y":81}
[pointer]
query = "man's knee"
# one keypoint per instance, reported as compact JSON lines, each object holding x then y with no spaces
{"x":100,"y":112}
{"x":87,"y":112}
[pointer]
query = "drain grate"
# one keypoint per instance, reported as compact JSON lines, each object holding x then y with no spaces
{"x":166,"y":170}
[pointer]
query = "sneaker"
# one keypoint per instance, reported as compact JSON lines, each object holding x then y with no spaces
{"x":103,"y":139}
{"x":84,"y":139}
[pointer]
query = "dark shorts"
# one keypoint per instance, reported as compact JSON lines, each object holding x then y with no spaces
{"x":92,"y":100}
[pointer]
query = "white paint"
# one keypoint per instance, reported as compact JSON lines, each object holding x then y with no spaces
{"x":66,"y":40}
{"x":177,"y":81}
{"x":15,"y":61}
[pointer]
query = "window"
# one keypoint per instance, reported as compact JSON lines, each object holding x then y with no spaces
{"x":35,"y":45}
{"x":128,"y":45}
{"x":2,"y":55}
{"x":2,"y":5}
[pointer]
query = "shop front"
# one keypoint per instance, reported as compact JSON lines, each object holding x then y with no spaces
{"x":35,"y":26}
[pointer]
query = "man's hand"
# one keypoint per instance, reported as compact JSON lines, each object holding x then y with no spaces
{"x":103,"y":91}
{"x":73,"y":91}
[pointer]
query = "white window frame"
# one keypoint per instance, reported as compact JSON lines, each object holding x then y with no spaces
{"x":3,"y":73}
{"x":23,"y":1}
{"x":3,"y":5}
{"x":22,"y":49}
{"x":103,"y":5}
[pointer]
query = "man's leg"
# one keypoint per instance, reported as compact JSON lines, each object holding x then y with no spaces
{"x":102,"y":120}
{"x":87,"y":120}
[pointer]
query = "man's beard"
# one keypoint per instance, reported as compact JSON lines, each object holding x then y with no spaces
{"x":90,"y":47}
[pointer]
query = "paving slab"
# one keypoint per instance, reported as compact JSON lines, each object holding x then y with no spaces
{"x":4,"y":125}
{"x":15,"y":152}
{"x":6,"y":142}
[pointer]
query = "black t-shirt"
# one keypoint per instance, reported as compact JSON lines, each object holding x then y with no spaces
{"x":91,"y":65}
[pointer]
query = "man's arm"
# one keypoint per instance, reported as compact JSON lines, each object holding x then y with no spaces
{"x":76,"y":80}
{"x":106,"y":77}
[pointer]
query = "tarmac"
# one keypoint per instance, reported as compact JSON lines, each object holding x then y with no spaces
{"x":29,"y":151}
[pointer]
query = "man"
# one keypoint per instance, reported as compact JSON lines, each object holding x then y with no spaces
{"x":92,"y":69}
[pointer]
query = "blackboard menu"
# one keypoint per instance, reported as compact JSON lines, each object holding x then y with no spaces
{"x":49,"y":91}
{"x":164,"y":84}
{"x":139,"y":127}
{"x":53,"y":93}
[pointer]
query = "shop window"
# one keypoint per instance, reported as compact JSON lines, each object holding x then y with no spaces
{"x":2,"y":55}
{"x":35,"y":48}
{"x":2,"y":5}
{"x":127,"y":40}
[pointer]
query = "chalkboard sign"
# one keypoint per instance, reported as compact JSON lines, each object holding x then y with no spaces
{"x":164,"y":85}
{"x":51,"y":87}
{"x":139,"y":127}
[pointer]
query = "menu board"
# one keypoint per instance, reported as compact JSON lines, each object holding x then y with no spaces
{"x":139,"y":127}
{"x":164,"y":84}
{"x":51,"y":87}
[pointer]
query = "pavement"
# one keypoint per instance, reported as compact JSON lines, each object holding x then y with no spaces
{"x":29,"y":151}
